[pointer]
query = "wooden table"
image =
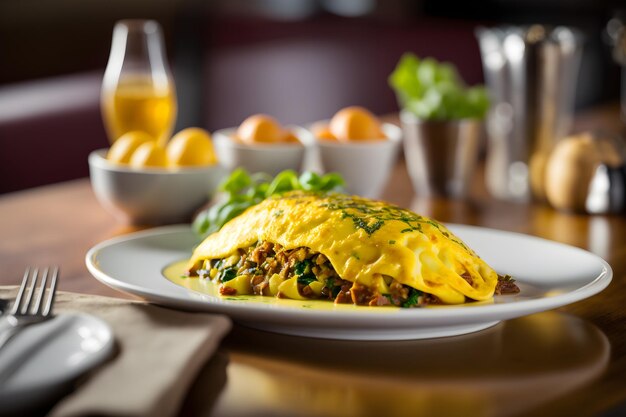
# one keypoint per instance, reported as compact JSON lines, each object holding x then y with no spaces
{"x":569,"y":362}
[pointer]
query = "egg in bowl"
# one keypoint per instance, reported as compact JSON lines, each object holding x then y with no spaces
{"x":356,"y":144}
{"x":261,"y":144}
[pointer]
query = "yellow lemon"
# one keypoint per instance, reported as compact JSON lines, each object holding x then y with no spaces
{"x":191,"y":147}
{"x":260,"y":129}
{"x":124,"y":147}
{"x":148,"y":154}
{"x":355,"y":123}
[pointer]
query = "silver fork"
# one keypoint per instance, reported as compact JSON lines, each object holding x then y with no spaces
{"x":21,"y":314}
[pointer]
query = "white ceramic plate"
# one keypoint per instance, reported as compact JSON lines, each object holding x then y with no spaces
{"x":38,"y":363}
{"x":549,"y":274}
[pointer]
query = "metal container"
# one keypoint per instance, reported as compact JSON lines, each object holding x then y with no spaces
{"x":441,"y":155}
{"x":616,"y":31}
{"x":531,"y":73}
{"x":607,"y":190}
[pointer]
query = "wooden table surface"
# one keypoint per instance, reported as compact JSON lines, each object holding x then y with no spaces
{"x":569,"y":362}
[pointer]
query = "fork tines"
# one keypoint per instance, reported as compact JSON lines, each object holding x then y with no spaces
{"x":28,"y":287}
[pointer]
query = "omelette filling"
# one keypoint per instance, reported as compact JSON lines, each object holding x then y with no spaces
{"x":269,"y":269}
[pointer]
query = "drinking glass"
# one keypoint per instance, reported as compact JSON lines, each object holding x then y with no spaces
{"x":138,"y":91}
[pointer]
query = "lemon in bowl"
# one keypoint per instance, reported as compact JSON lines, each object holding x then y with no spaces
{"x":125,"y":146}
{"x":149,"y":154}
{"x":155,"y":185}
{"x":191,"y":147}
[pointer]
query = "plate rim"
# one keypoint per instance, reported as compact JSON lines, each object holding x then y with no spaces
{"x":402,"y":317}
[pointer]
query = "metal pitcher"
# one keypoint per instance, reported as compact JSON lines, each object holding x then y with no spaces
{"x":531,"y":73}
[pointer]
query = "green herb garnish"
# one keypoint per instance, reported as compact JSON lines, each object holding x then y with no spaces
{"x":334,"y":289}
{"x":303,"y":270}
{"x":413,"y":298}
{"x":368,"y":216}
{"x":241,"y":191}
{"x":227,"y":274}
{"x":302,"y":267}
{"x":306,"y":279}
{"x":433,"y":90}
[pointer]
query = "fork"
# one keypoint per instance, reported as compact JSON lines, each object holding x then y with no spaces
{"x":21,"y":315}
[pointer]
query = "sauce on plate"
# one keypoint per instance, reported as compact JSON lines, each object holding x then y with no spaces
{"x":175,"y":272}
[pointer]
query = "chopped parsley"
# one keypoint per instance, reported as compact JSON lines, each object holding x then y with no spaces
{"x":227,"y":274}
{"x":413,"y":299}
{"x":302,"y":267}
{"x":306,"y":279}
{"x":505,"y":278}
{"x":370,"y":215}
{"x":334,"y":289}
{"x":303,"y":271}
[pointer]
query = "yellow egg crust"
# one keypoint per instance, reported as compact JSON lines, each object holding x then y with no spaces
{"x":364,"y":240}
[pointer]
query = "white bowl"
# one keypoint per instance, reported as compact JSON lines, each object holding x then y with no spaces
{"x":151,"y":196}
{"x":270,"y":158}
{"x":365,"y":164}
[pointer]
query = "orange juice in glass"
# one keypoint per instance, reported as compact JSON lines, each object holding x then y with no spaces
{"x":137,"y":90}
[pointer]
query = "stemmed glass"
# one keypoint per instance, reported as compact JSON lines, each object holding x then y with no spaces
{"x":138,"y":91}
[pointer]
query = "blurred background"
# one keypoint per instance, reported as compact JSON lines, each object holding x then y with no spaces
{"x":299,"y":60}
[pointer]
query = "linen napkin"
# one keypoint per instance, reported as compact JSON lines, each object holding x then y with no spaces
{"x":160,"y":352}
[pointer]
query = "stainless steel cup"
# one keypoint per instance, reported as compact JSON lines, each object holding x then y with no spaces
{"x":616,"y":31}
{"x":441,"y":155}
{"x":531,"y":73}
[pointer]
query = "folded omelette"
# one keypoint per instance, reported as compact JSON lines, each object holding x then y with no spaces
{"x":344,"y":248}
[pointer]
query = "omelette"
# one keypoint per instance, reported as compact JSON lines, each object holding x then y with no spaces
{"x":347,"y":249}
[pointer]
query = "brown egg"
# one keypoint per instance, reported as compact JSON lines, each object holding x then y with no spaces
{"x":324,"y":133}
{"x":571,"y":167}
{"x":290,"y":138}
{"x":355,"y":123}
{"x":260,"y":128}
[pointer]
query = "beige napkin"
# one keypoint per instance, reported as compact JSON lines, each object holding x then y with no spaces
{"x":160,"y":352}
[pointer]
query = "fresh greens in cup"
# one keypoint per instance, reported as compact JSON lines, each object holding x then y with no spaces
{"x":241,"y":190}
{"x":433,"y":90}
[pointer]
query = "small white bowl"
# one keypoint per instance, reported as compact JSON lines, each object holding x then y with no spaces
{"x":151,"y":196}
{"x":270,"y":158}
{"x":365,"y":164}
